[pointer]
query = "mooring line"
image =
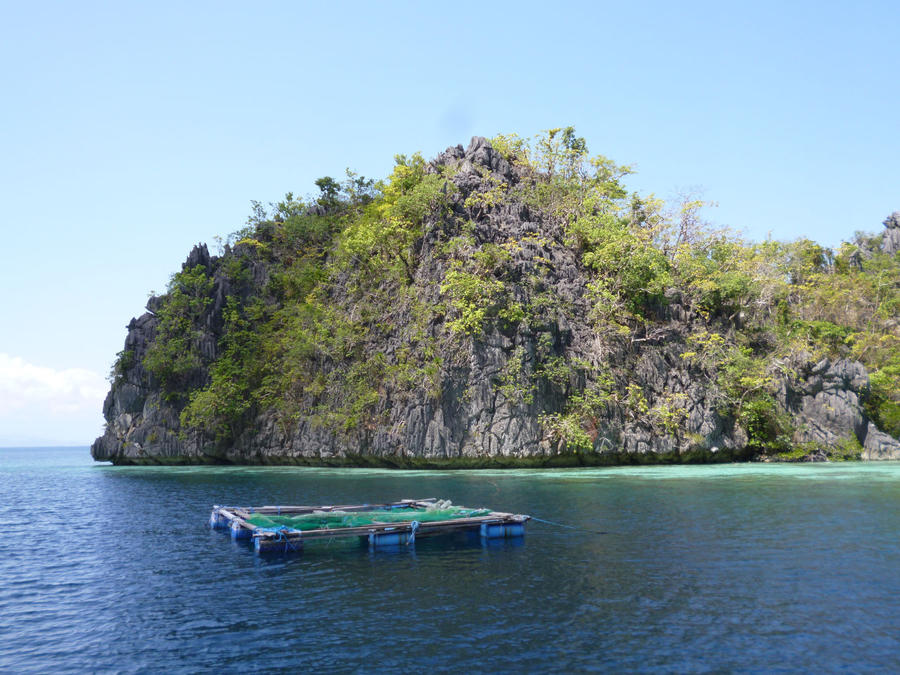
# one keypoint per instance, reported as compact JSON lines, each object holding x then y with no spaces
{"x":568,"y":527}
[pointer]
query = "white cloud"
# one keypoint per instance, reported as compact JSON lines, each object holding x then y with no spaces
{"x":39,"y":399}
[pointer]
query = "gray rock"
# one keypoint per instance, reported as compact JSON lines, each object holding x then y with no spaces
{"x":879,"y":445}
{"x":199,"y":255}
{"x":827,"y":403}
{"x":481,"y":153}
{"x":890,"y":244}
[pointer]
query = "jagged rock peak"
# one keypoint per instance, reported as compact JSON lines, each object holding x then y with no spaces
{"x":891,"y":242}
{"x":481,"y":153}
{"x":892,"y":222}
{"x":478,"y":156}
{"x":199,"y":255}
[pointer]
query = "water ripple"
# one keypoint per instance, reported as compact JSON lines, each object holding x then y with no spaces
{"x":710,"y":568}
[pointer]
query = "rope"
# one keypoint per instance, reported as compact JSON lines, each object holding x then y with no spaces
{"x":568,"y":527}
{"x":412,"y":532}
{"x":287,"y":542}
{"x":280,"y":531}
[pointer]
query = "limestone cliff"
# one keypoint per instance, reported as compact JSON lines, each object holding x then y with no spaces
{"x":485,"y":348}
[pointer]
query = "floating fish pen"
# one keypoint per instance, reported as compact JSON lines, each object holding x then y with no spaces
{"x":284,"y":529}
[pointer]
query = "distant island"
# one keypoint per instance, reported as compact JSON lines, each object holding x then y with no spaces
{"x":510,"y":305}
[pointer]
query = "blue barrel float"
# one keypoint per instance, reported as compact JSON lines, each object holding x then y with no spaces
{"x":277,"y":540}
{"x":390,"y":538}
{"x":238,"y":531}
{"x":502,"y":530}
{"x":217,"y":520}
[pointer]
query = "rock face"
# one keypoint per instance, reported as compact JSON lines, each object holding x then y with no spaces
{"x":891,"y":242}
{"x":879,"y":445}
{"x":826,"y":404}
{"x":472,"y":422}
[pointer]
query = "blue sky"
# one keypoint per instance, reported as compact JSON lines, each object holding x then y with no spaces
{"x":131,"y":131}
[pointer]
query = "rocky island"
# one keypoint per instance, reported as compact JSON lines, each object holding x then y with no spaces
{"x":510,"y":304}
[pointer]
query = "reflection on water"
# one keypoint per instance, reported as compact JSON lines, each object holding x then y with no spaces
{"x":716,"y":567}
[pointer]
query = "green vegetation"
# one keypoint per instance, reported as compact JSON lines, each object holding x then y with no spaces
{"x":301,"y":345}
{"x":220,"y":408}
{"x":576,"y":428}
{"x":383,"y":235}
{"x":123,"y":363}
{"x":324,"y":312}
{"x":174,"y":358}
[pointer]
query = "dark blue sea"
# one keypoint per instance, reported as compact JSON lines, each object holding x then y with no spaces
{"x":748,"y":568}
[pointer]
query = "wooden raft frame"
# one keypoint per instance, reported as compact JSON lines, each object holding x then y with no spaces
{"x":492,"y":525}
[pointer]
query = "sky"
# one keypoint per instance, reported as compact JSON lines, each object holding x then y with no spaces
{"x":131,"y":131}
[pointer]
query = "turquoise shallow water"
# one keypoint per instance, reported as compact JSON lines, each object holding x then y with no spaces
{"x":695,"y":568}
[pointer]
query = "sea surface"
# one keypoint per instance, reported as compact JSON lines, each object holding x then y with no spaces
{"x":748,"y":568}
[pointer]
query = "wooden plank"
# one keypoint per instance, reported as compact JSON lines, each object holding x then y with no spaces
{"x":234,"y":518}
{"x":293,"y":510}
{"x":223,"y":510}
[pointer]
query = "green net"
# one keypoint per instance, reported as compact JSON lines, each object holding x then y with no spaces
{"x":332,"y":520}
